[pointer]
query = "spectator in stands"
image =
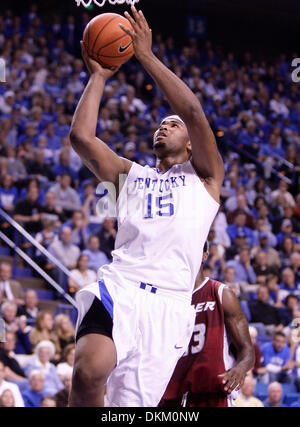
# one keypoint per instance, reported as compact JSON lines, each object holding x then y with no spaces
{"x":296,"y":209}
{"x":287,"y":214}
{"x":28,"y":212}
{"x":287,"y":231}
{"x":245,"y":398}
{"x":229,"y":281}
{"x":282,"y":191}
{"x":274,"y":396}
{"x":11,"y":289}
{"x":277,"y":360}
{"x":14,"y":166}
{"x":97,"y":258}
{"x":18,"y":326}
{"x":291,"y":304}
{"x":273,"y":260}
{"x":243,"y":270}
{"x":233,"y":250}
{"x":7,"y":399}
{"x":265,"y":314}
{"x":216,"y":262}
{"x":286,"y":249}
{"x":45,"y":237}
{"x":33,"y":396}
{"x":295,"y":265}
{"x":63,"y":165}
{"x":258,"y":354}
{"x":38,"y":168}
{"x":272,"y":283}
{"x":8,"y":193}
{"x":44,"y":352}
{"x":30,"y":307}
{"x":107,"y":236}
{"x":81,"y":276}
{"x":288,"y":284}
{"x":48,"y":402}
{"x":66,"y":367}
{"x":52,"y":211}
{"x":64,"y":250}
{"x":261,"y":266}
{"x":53,"y":141}
{"x":241,"y":205}
{"x":13,"y":370}
{"x":62,"y":397}
{"x":7,"y":385}
{"x":43,"y":330}
{"x":80,"y":231}
{"x":239,"y":226}
{"x":262,"y":232}
{"x":66,"y":197}
{"x":89,"y":200}
{"x":64,"y":330}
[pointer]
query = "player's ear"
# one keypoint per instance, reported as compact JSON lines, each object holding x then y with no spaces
{"x":189,"y":147}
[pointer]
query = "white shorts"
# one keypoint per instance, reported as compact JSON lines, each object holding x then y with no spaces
{"x":151,"y":331}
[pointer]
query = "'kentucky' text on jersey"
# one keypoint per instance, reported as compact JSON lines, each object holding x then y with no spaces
{"x":163,"y":222}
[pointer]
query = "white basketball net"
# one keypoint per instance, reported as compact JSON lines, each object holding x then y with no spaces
{"x":87,"y":3}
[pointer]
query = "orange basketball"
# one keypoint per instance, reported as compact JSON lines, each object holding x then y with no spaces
{"x":106,"y":42}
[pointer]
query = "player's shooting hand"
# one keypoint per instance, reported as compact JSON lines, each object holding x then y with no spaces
{"x":94,"y":67}
{"x":233,"y":379}
{"x":141,"y":34}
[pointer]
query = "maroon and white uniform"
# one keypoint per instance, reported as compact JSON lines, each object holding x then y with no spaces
{"x":207,"y":356}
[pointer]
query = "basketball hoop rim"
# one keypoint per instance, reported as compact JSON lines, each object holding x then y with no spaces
{"x":101,"y":3}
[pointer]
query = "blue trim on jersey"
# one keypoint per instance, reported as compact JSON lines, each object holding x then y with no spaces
{"x":106,"y":298}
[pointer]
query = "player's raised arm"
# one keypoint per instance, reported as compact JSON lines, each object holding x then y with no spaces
{"x":96,"y":155}
{"x":206,"y":158}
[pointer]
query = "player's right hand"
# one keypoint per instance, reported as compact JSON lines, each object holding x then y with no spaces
{"x":94,"y":67}
{"x":141,"y":35}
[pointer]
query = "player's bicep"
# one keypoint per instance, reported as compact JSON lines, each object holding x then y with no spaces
{"x":100,"y":159}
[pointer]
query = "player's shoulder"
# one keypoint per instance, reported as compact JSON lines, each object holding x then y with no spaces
{"x":209,"y":287}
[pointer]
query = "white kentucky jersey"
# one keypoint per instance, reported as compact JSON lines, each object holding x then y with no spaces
{"x":163,"y":223}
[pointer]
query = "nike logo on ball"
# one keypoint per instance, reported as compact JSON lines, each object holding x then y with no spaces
{"x":176,"y":346}
{"x":122,"y":49}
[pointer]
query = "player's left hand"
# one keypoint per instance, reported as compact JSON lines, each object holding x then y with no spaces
{"x":233,"y":379}
{"x":141,"y":34}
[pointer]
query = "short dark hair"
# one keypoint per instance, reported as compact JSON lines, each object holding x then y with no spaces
{"x":279,"y":334}
{"x":291,"y":296}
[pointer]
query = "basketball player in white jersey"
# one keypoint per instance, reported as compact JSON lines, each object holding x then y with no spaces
{"x":136,"y":321}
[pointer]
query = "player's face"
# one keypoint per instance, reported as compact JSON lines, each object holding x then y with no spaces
{"x":171,"y":138}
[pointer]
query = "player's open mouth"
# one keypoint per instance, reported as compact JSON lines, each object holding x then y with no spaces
{"x":160,"y":135}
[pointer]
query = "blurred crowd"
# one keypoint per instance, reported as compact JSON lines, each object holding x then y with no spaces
{"x":254,"y":109}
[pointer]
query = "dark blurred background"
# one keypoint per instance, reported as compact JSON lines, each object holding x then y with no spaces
{"x":262,"y":26}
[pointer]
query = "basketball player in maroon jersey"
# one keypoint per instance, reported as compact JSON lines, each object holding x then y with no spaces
{"x":220,"y":352}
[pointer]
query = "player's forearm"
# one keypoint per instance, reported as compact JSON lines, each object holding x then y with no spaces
{"x":181,"y":98}
{"x":85,"y":118}
{"x":246,"y":358}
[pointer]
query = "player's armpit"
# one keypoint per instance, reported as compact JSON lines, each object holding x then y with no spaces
{"x":100,"y":159}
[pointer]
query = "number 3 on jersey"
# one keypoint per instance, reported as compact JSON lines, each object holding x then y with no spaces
{"x":197,"y":340}
{"x":158,"y":206}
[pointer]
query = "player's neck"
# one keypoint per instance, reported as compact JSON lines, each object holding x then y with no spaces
{"x":199,"y":279}
{"x":167,"y":162}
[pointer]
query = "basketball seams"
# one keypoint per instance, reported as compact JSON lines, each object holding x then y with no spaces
{"x":100,"y":31}
{"x":93,"y":38}
{"x":111,"y":42}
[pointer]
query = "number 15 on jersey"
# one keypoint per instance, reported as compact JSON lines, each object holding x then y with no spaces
{"x":158,"y":205}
